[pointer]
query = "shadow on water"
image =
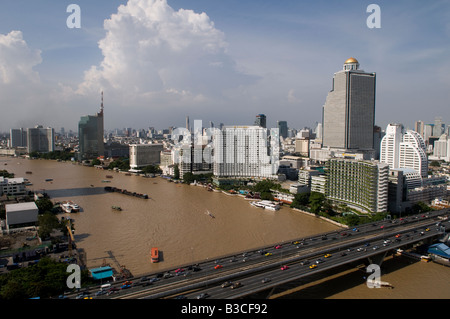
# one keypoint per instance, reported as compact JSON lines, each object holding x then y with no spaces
{"x":71,"y":192}
{"x":331,"y":282}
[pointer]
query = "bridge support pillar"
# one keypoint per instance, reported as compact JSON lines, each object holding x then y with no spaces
{"x":377,"y":259}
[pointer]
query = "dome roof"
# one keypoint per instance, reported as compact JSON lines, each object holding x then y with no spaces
{"x":351,"y":60}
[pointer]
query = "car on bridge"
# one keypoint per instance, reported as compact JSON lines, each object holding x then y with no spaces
{"x":268,"y":254}
{"x":236,"y":285}
{"x":313,"y":266}
{"x":285,"y":267}
{"x":327,"y":256}
{"x":218,"y":266}
{"x":226,"y":284}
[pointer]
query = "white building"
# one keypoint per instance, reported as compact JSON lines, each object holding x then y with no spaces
{"x":402,"y":149}
{"x":12,"y":186}
{"x":441,"y":149}
{"x":22,"y":214}
{"x":142,"y":155}
{"x":245,"y":152}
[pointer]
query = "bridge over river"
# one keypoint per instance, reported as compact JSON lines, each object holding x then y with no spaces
{"x":267,"y":267}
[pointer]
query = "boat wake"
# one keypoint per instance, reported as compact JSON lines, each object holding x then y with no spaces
{"x":209,"y":214}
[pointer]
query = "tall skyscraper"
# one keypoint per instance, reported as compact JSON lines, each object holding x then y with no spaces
{"x":18,"y":138}
{"x":349,"y":110}
{"x":283,"y":128}
{"x":260,"y":120}
{"x":419,"y":127}
{"x":40,"y":139}
{"x":90,"y":132}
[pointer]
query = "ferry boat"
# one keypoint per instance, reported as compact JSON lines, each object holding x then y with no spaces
{"x":266,"y":204}
{"x":117,"y":208}
{"x":155,"y":255}
{"x":70,"y":207}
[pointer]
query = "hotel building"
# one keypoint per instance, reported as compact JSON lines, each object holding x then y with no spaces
{"x":349,"y":111}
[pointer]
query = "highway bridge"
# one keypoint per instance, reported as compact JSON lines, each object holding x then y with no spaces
{"x":247,"y":273}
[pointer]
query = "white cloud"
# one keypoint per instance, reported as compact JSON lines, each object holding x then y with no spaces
{"x":153,"y":53}
{"x":17,"y":60}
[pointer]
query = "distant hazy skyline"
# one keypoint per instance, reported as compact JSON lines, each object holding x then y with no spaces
{"x":158,"y":61}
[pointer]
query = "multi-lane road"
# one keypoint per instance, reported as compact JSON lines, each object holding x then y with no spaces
{"x":253,"y":271}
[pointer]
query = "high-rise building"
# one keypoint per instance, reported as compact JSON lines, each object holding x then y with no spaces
{"x":349,"y":110}
{"x":283,"y":128}
{"x":90,"y":132}
{"x":40,"y":139}
{"x":245,"y":152}
{"x":441,"y":150}
{"x":401,"y":149}
{"x":18,"y":138}
{"x":419,"y":127}
{"x":439,"y":127}
{"x":260,"y":120}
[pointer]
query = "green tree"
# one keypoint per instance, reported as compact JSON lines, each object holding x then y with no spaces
{"x":300,"y":200}
{"x":188,"y":178}
{"x":44,"y":205}
{"x":316,"y":202}
{"x":176,"y":172}
{"x":47,"y":223}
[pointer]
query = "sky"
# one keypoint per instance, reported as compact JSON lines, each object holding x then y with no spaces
{"x":225,"y":61}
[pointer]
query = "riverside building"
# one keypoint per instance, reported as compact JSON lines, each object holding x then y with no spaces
{"x":90,"y":132}
{"x":245,"y":152}
{"x":142,"y":155}
{"x":40,"y":139}
{"x":359,"y":184}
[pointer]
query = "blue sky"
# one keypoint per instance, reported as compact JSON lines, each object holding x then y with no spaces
{"x":216,"y":60}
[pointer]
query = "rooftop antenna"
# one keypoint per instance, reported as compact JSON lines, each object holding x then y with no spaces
{"x":101,"y":107}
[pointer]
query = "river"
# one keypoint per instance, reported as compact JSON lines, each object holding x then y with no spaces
{"x":175,"y":219}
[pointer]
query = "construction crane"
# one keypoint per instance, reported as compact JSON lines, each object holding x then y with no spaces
{"x":71,"y":239}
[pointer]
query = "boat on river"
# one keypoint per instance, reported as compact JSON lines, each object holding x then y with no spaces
{"x":155,"y":255}
{"x":266,"y":204}
{"x":69,"y":207}
{"x":117,"y":208}
{"x":209,"y":214}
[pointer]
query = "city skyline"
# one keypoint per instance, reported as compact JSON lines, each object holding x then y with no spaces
{"x":160,"y":61}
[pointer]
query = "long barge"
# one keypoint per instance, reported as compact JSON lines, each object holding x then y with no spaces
{"x":125,"y":192}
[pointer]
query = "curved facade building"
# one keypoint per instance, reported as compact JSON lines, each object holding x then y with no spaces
{"x":402,"y":149}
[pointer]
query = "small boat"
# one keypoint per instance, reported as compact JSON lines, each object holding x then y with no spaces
{"x":49,"y":179}
{"x":75,"y":207}
{"x":155,"y":255}
{"x":117,"y":208}
{"x":70,"y":207}
{"x":28,"y":172}
{"x":209,"y":214}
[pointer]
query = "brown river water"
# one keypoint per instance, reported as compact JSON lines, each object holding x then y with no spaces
{"x":175,"y":220}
